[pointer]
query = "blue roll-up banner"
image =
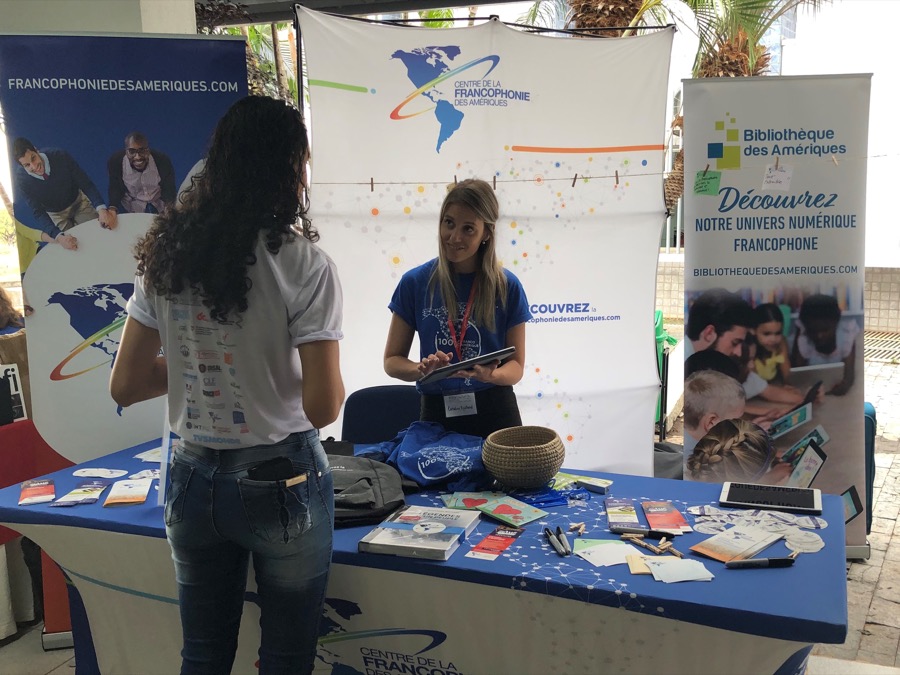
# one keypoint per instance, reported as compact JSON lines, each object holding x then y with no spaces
{"x":76,"y":99}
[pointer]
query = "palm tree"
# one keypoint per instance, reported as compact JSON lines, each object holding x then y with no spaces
{"x":730,"y":36}
{"x":731,"y":45}
{"x":270,"y":60}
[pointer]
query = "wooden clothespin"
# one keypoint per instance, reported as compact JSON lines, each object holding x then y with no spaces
{"x":652,"y":547}
{"x":834,"y":159}
{"x":617,"y":178}
{"x":581,"y":529}
{"x":776,"y":163}
{"x":638,"y":539}
{"x":372,"y":185}
{"x":574,"y":178}
{"x":668,"y":548}
{"x":705,"y":170}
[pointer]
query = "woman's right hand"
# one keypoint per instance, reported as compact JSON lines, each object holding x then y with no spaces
{"x":429,"y":363}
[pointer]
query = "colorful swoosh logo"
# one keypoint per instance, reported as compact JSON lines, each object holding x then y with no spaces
{"x":395,"y":113}
{"x":58,"y":375}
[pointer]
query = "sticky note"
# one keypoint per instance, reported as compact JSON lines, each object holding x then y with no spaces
{"x":778,"y":178}
{"x":707,"y":184}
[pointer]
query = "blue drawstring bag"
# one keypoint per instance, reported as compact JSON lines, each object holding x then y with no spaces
{"x":429,"y":455}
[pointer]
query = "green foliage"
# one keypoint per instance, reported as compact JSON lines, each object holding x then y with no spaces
{"x":437,"y":18}
{"x":7,"y":228}
{"x":724,"y":20}
{"x":717,"y":20}
{"x":219,"y":17}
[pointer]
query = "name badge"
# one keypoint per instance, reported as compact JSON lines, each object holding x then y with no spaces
{"x":457,"y":405}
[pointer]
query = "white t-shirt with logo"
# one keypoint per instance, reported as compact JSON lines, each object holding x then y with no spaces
{"x":239,"y":383}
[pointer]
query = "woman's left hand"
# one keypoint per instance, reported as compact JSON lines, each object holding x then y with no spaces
{"x":482,"y":373}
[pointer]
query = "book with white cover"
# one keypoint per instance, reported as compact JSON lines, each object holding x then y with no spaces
{"x":427,"y":532}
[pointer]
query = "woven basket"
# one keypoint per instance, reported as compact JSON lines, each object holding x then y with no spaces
{"x":523,"y":457}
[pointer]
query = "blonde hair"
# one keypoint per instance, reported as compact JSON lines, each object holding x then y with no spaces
{"x":479,"y":196}
{"x":709,"y":391}
{"x":732,"y":450}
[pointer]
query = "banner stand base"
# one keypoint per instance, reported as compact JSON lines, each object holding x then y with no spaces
{"x":859,"y":552}
{"x":61,"y":640}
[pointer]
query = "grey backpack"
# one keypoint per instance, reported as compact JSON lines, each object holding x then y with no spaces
{"x":365,"y":491}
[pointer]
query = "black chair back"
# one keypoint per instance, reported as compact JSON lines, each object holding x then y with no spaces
{"x":376,"y":414}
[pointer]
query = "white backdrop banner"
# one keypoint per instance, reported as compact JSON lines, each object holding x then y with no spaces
{"x":775,"y":195}
{"x":398,"y":113}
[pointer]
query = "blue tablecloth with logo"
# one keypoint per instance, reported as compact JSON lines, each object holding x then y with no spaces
{"x":118,"y":560}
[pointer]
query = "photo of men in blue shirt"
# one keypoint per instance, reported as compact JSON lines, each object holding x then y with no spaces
{"x":59,"y":192}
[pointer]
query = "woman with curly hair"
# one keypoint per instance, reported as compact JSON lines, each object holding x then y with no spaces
{"x":462,"y":304}
{"x":736,"y":450}
{"x":247,"y":311}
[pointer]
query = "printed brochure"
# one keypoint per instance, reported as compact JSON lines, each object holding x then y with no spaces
{"x":86,"y":492}
{"x":36,"y":492}
{"x":511,"y":511}
{"x":129,"y":492}
{"x":495,"y":543}
{"x":736,"y":543}
{"x":621,"y":512}
{"x":663,"y":516}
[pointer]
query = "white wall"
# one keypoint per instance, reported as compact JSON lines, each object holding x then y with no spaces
{"x":97,"y":16}
{"x":859,"y":36}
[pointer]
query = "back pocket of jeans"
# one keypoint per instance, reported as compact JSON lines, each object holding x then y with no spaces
{"x":179,"y":478}
{"x":277,"y":513}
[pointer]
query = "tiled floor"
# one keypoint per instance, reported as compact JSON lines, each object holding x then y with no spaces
{"x":873,"y":586}
{"x":26,"y":656}
{"x":873,"y":642}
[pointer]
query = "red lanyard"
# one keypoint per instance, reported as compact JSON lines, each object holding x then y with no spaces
{"x":464,"y":323}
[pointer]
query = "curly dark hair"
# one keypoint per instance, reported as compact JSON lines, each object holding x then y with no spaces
{"x":250,"y":183}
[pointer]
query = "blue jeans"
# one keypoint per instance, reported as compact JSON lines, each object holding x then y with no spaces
{"x":216,"y":518}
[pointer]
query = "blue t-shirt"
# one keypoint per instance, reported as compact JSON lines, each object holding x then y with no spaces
{"x":412,"y":302}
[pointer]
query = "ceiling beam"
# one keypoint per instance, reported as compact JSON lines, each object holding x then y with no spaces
{"x":268,"y":11}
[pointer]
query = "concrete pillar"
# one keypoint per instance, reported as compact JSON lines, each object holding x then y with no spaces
{"x":97,"y":16}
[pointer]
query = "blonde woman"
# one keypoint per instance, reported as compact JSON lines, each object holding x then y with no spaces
{"x":736,"y":450}
{"x":462,"y":304}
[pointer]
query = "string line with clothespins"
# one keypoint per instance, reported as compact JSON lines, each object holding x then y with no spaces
{"x":614,"y":177}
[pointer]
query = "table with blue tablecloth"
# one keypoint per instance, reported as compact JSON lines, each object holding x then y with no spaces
{"x":530,"y":611}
